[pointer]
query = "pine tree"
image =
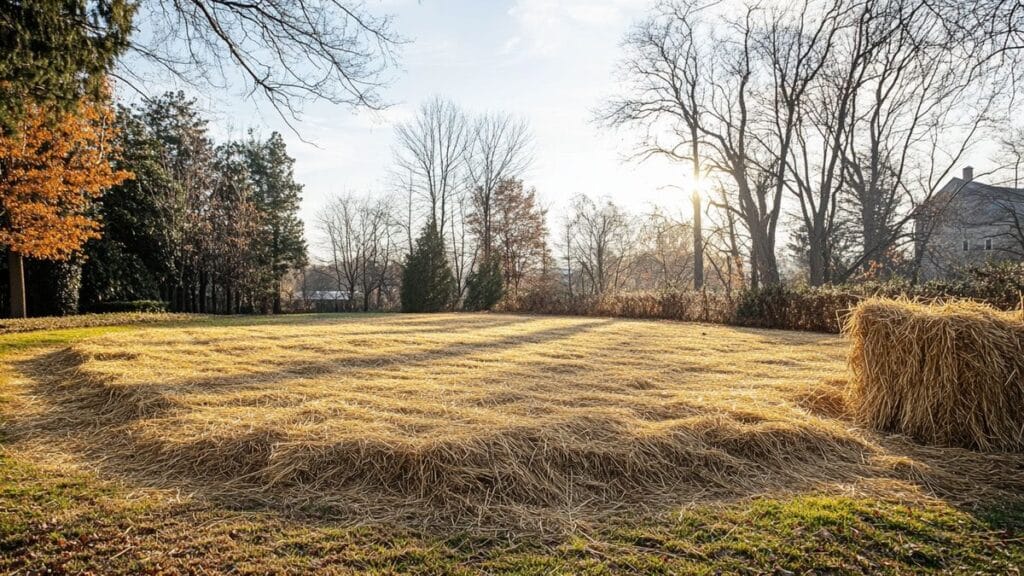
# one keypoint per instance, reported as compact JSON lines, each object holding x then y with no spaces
{"x":277,"y":196}
{"x":54,"y":52}
{"x":146,"y":236}
{"x":178,"y":188}
{"x":233,"y":249}
{"x":428,"y":284}
{"x":486,"y":286}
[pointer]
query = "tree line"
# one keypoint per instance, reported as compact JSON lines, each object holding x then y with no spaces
{"x":459,"y":227}
{"x":818,"y":128}
{"x":462,"y":228}
{"x":142,"y":196}
{"x":203,"y":227}
{"x":833,"y":119}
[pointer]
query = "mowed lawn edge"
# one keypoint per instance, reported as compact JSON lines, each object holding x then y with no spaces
{"x":71,"y":521}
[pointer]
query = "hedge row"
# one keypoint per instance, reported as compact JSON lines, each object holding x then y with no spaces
{"x":131,"y":306}
{"x":820,"y":309}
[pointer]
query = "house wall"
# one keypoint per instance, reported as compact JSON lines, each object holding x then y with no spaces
{"x":944,"y":253}
{"x":974,"y":217}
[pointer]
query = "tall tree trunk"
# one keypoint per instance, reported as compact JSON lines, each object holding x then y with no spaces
{"x":817,"y":259}
{"x":698,"y":244}
{"x":203,"y":281}
{"x":16,"y":267}
{"x":765,"y":266}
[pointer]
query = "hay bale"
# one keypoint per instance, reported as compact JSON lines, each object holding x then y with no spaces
{"x":948,"y":374}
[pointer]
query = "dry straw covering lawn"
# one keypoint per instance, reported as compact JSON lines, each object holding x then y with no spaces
{"x":476,"y":422}
{"x":16,"y":325}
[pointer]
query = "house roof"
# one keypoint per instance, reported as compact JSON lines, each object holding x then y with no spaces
{"x":327,"y":295}
{"x":980,"y":188}
{"x":976,"y":194}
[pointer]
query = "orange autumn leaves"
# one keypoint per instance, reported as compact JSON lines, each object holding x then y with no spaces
{"x":51,"y":169}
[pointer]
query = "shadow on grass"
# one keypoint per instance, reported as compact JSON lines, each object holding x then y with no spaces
{"x":1007,"y":515}
{"x":699,"y":456}
{"x":56,"y":373}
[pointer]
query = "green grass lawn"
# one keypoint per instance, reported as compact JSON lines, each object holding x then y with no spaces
{"x":56,"y":518}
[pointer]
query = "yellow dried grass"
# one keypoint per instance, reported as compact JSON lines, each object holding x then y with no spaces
{"x":15,"y":325}
{"x":468,"y":420}
{"x":946,"y":374}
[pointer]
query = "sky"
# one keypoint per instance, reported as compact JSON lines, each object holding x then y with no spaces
{"x":551,"y":62}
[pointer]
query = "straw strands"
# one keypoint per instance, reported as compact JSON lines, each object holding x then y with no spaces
{"x":947,"y":374}
{"x":471,"y":421}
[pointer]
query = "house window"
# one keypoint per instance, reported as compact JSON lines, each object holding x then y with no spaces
{"x":966,"y":245}
{"x":988,"y":243}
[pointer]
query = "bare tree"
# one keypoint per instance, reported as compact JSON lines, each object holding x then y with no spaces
{"x":599,"y":244}
{"x":667,"y":88}
{"x":431,"y":155}
{"x":499,"y":150}
{"x":377,"y":224}
{"x":883,"y":125}
{"x":664,"y":254}
{"x":695,"y":94}
{"x":856,"y":109}
{"x":286,"y":51}
{"x":340,"y":225}
{"x":723,"y":245}
{"x":740,"y":143}
{"x":462,"y":253}
{"x":804,"y":50}
{"x":361,"y":238}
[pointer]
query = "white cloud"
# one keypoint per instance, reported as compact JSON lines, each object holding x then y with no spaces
{"x":550,"y":24}
{"x":511,"y":45}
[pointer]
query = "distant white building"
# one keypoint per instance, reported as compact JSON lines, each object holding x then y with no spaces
{"x":327,"y":296}
{"x":325,"y":300}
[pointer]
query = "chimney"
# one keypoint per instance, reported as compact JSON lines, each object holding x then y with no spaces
{"x":968,"y":173}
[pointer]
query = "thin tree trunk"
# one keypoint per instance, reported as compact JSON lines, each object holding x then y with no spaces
{"x":203,"y":282}
{"x":15,"y":265}
{"x":698,"y":244}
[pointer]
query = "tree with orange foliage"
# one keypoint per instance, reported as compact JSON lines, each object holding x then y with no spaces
{"x":52,"y":167}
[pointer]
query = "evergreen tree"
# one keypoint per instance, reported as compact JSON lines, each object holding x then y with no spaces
{"x":156,"y":222}
{"x":205,"y":229}
{"x":276,"y":196}
{"x":54,"y":52}
{"x":55,"y":287}
{"x":428,"y":284}
{"x":131,"y":259}
{"x":178,"y":191}
{"x":485,"y":287}
{"x":233,"y":256}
